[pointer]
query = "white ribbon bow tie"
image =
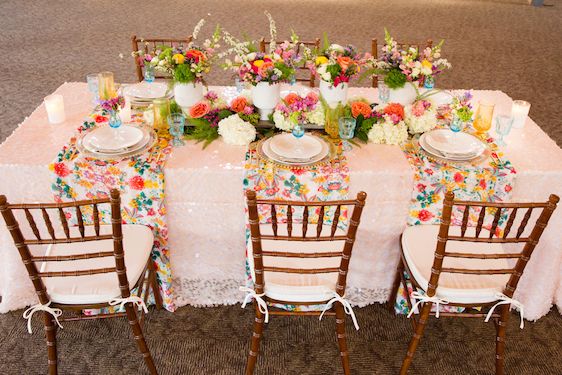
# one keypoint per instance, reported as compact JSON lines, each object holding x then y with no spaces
{"x":262,"y":305}
{"x":505,"y":300}
{"x":423,"y":298}
{"x":132,"y":299}
{"x":27,"y":314}
{"x":346,"y":307}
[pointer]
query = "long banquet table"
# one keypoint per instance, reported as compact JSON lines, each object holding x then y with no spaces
{"x":205,"y":204}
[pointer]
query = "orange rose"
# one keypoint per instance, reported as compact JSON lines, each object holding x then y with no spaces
{"x":265,"y":67}
{"x":199,"y":110}
{"x":344,"y":62}
{"x":195,"y":54}
{"x":394,"y":109}
{"x":291,"y":98}
{"x":238,"y":104}
{"x":360,"y":108}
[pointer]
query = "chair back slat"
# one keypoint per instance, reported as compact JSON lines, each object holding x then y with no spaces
{"x":311,"y":260}
{"x":274,"y":219}
{"x":522,"y":257}
{"x":465,"y":216}
{"x":32,"y":223}
{"x":22,"y":244}
{"x":149,"y":45}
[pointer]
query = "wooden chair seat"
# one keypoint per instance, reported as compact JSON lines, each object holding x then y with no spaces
{"x":297,"y":287}
{"x":418,"y":247}
{"x":103,"y":287}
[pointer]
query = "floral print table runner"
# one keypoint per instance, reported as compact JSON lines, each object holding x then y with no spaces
{"x":140,"y":180}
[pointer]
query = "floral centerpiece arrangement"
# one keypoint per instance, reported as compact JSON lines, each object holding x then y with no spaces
{"x":264,"y":70}
{"x":421,"y":116}
{"x":335,"y":66}
{"x":381,"y":124}
{"x":295,"y":109}
{"x":111,"y":107}
{"x":460,"y":111}
{"x":188,"y":65}
{"x":400,"y":66}
{"x":213,"y":117}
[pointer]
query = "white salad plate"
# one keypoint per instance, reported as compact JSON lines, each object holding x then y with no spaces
{"x":269,"y":153}
{"x":146,"y":91}
{"x":454,"y":144}
{"x":148,"y":140}
{"x":453,"y":157}
{"x":107,"y":139}
{"x":288,"y":146}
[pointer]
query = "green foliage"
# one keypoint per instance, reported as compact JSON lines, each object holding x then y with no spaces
{"x":464,"y":114}
{"x":174,"y":107}
{"x":334,"y":70}
{"x":326,"y":42}
{"x":224,"y":113}
{"x":363,"y":127}
{"x":395,"y":79}
{"x":286,"y":71}
{"x":201,"y":131}
{"x":253,"y":119}
{"x":183,"y":74}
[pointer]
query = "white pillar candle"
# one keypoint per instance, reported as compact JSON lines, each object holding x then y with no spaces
{"x":54,"y":104}
{"x":125,"y":112}
{"x":519,"y":112}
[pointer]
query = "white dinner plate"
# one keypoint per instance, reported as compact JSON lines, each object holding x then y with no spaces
{"x":466,"y":157}
{"x":145,"y":90}
{"x":108,"y":139}
{"x":451,"y":143}
{"x":275,"y":157}
{"x":288,"y":146}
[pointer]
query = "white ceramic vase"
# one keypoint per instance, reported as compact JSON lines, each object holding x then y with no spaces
{"x":332,"y":94}
{"x":187,"y":94}
{"x":265,"y":97}
{"x":405,"y":95}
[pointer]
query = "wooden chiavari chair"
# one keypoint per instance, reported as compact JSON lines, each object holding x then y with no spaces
{"x":149,"y":45}
{"x":470,"y":267}
{"x":301,"y":266}
{"x":85,"y":266}
{"x":315,"y":44}
{"x":405,"y":45}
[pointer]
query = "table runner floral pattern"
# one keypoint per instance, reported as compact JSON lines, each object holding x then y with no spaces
{"x":140,"y":180}
{"x":490,"y":181}
{"x":328,"y":181}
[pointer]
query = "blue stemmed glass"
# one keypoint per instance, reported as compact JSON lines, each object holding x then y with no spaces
{"x":149,"y":73}
{"x":298,"y":131}
{"x":503,"y":127}
{"x":346,"y":131}
{"x":93,"y":84}
{"x":176,"y":121}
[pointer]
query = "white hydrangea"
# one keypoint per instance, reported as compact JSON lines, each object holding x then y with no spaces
{"x":281,"y":122}
{"x":420,"y":124}
{"x":388,"y":133}
{"x":376,"y":134}
{"x":236,"y":131}
{"x":316,"y":116}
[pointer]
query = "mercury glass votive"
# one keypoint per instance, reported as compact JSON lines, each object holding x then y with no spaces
{"x":54,"y":104}
{"x":519,"y":112}
{"x":161,"y":109}
{"x":106,"y":86}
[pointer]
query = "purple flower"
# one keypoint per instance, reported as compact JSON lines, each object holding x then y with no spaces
{"x":211,"y":96}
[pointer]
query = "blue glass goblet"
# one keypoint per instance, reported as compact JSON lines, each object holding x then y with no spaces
{"x":503,"y":127}
{"x":346,"y":131}
{"x":176,"y":122}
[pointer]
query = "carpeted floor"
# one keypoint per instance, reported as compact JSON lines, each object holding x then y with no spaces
{"x":492,"y":45}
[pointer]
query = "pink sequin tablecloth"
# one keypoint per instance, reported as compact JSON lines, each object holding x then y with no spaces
{"x":204,"y":198}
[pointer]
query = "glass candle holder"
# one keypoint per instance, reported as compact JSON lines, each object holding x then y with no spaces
{"x":106,"y":86}
{"x":161,"y":110}
{"x":519,"y":112}
{"x":483,"y":118}
{"x":54,"y":104}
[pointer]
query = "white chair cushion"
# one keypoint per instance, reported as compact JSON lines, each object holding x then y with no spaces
{"x":100,"y":288}
{"x":418,"y":245}
{"x":299,"y":287}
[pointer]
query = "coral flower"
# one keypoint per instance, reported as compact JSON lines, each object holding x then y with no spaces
{"x":394,"y":109}
{"x":344,"y":62}
{"x":195,"y":54}
{"x":199,"y":110}
{"x":136,"y":183}
{"x":178,"y":58}
{"x":425,"y":215}
{"x":239,"y":104}
{"x":291,"y":98}
{"x":360,"y":108}
{"x":266,"y":66}
{"x":312,"y":96}
{"x":61,"y":170}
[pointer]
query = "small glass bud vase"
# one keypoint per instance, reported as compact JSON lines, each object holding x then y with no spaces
{"x":429,"y":82}
{"x":457,"y":124}
{"x":114,"y":119}
{"x":149,"y":73}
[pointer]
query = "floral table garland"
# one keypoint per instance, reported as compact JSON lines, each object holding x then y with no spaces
{"x":140,"y":180}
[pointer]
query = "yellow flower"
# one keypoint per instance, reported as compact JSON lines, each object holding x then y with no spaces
{"x":178,"y":58}
{"x":258,"y":63}
{"x":321,"y":60}
{"x":427,"y":64}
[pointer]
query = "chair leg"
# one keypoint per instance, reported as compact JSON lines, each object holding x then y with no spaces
{"x":139,"y":337}
{"x":396,"y":286}
{"x":340,"y":334}
{"x":154,"y":285}
{"x":255,"y":343}
{"x":416,"y":338}
{"x":51,"y":335}
{"x":501,"y":328}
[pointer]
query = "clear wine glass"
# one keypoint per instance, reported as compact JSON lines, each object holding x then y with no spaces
{"x":346,"y":131}
{"x":503,"y":127}
{"x":384,"y":92}
{"x":176,"y":122}
{"x":93,"y":87}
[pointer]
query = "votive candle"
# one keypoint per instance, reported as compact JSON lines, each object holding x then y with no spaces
{"x":519,"y":112}
{"x":54,"y":104}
